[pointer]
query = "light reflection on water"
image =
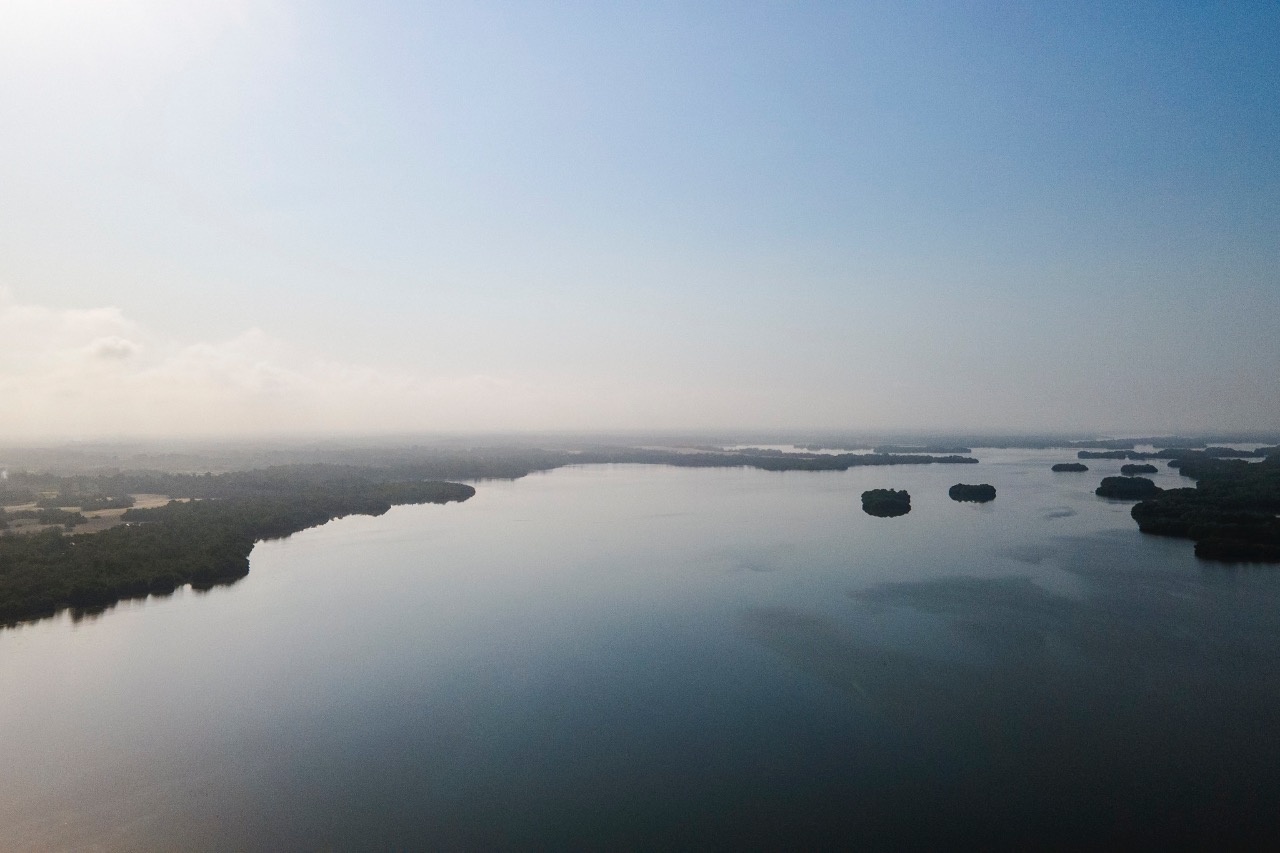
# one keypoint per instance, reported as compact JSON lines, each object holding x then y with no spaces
{"x":641,"y":656}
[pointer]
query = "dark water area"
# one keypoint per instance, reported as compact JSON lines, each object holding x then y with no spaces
{"x":645,"y":657}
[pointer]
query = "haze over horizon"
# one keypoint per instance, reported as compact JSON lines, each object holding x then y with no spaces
{"x":226,"y":217}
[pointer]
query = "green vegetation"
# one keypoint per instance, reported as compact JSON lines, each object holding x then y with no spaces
{"x":470,"y":464}
{"x":86,"y":503}
{"x":1130,"y":470}
{"x":1106,"y":444}
{"x":1070,"y":466}
{"x":770,"y":460}
{"x":1231,"y":513}
{"x":975,"y":494}
{"x":1127,"y":488}
{"x":1231,"y":453}
{"x":1103,"y":454}
{"x":200,"y":542}
{"x":51,"y":515}
{"x":11,"y":495}
{"x":886,"y":503}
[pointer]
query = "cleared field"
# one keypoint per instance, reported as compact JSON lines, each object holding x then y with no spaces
{"x":99,"y":519}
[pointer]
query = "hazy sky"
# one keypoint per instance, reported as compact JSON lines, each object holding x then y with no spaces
{"x":382,"y":216}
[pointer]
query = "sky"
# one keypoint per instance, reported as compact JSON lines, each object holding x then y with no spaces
{"x":224,"y":217}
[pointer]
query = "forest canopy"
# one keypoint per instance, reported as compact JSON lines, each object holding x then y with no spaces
{"x":886,"y":503}
{"x":200,"y":542}
{"x":1231,"y":514}
{"x":981,"y":493}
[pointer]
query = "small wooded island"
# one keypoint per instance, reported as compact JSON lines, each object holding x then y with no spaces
{"x":1127,"y":488}
{"x":886,"y":503}
{"x":981,"y":493}
{"x":1139,"y":468}
{"x":1070,"y":466}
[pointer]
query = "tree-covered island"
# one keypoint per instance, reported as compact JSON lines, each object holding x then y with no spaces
{"x":1127,"y":488}
{"x":886,"y":503}
{"x":981,"y":493}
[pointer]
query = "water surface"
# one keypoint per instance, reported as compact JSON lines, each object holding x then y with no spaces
{"x":640,"y":656}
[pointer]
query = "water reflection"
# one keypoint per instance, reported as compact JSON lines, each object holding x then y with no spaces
{"x":649,"y":658}
{"x":88,"y":614}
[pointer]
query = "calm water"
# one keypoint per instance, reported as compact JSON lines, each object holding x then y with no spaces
{"x":633,"y":656}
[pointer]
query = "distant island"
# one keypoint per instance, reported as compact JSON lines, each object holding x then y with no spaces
{"x":975,"y":494}
{"x":886,"y":503}
{"x":1139,"y":468}
{"x":1070,"y":466}
{"x":1106,"y":443}
{"x":1127,"y":488}
{"x":774,"y":460}
{"x":1175,"y":453}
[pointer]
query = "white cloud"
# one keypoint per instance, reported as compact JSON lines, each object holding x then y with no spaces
{"x":113,"y":348}
{"x":76,"y":373}
{"x":94,"y":373}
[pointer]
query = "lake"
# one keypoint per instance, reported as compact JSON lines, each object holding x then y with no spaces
{"x":630,"y":657}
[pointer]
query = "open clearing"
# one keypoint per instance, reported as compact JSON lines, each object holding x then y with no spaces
{"x":99,"y":519}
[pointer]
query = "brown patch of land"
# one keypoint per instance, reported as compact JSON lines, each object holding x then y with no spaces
{"x":99,"y":519}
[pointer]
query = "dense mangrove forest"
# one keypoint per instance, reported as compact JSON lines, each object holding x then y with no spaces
{"x":199,"y":541}
{"x":1231,"y":513}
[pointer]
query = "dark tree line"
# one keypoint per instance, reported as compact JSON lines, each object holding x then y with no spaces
{"x":200,"y":542}
{"x":478,"y":464}
{"x":1180,"y":453}
{"x":1231,"y":513}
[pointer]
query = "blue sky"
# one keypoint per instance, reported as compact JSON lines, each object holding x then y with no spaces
{"x":227,"y":216}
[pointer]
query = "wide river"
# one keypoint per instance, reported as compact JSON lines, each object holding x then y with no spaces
{"x":622,"y":657}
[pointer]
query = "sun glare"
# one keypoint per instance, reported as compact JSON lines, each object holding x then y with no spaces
{"x":56,"y":31}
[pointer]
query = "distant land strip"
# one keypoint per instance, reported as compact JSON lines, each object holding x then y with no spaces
{"x":203,"y":536}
